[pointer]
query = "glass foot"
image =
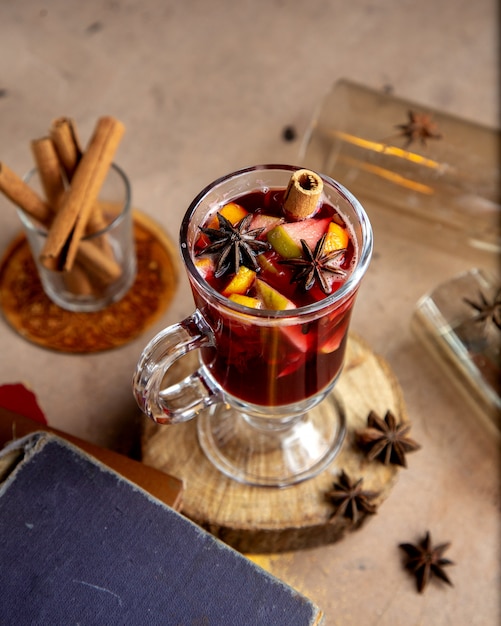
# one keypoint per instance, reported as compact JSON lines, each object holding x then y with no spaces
{"x":272,"y":452}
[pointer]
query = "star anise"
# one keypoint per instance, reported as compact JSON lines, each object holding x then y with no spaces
{"x":485,"y":310}
{"x":386,"y":440}
{"x":426,"y":561}
{"x":314,"y":265}
{"x":350,"y":500}
{"x":236,"y":245}
{"x":420,"y":126}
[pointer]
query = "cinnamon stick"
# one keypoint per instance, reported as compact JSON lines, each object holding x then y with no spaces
{"x":303,"y":194}
{"x":22,"y":195}
{"x":64,"y":135}
{"x":47,"y":162}
{"x":98,"y":262}
{"x":69,"y":223}
{"x":77,"y":281}
{"x":96,"y":223}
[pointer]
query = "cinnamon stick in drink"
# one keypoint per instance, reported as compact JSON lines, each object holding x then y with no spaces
{"x":70,"y":222}
{"x":303,"y":194}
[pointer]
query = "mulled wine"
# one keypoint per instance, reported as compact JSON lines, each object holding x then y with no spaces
{"x":259,"y":257}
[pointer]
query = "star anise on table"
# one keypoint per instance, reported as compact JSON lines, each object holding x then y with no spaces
{"x":236,"y":245}
{"x":419,"y":127}
{"x":350,"y":500}
{"x":386,"y":440}
{"x":314,"y":265}
{"x":426,"y":561}
{"x":486,"y":310}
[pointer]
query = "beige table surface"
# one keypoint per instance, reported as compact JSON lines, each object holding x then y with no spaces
{"x":205,"y":87}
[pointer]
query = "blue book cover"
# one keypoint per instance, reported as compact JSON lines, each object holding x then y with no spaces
{"x":80,"y":544}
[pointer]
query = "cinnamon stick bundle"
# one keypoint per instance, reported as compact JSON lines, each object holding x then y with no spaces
{"x":63,"y":133}
{"x":70,"y":222}
{"x":61,"y":151}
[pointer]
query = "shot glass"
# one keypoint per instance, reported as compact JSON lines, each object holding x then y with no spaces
{"x":105,"y":265}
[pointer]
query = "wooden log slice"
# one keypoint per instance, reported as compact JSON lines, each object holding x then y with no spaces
{"x":263,"y":519}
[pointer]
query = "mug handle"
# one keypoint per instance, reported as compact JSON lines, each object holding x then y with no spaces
{"x":181,"y":401}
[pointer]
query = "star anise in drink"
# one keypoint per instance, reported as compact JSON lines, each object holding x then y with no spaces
{"x":486,"y":310}
{"x":350,"y":500}
{"x":314,"y":265}
{"x":236,"y":245}
{"x":386,"y":440}
{"x":426,"y":561}
{"x":419,"y":127}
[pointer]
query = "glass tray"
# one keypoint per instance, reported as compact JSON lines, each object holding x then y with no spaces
{"x":450,"y":178}
{"x":465,"y":342}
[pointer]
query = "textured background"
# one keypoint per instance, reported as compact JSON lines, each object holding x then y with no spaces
{"x":205,"y":87}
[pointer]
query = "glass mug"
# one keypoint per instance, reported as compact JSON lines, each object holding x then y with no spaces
{"x":263,"y":394}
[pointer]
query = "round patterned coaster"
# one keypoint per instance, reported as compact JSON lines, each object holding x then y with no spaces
{"x":36,"y":318}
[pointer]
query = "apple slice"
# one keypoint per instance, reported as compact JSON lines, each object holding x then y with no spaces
{"x":266,"y":222}
{"x":333,"y":327}
{"x":241,"y":282}
{"x":206,"y":266}
{"x":297,"y":337}
{"x":336,"y":336}
{"x":271,"y":298}
{"x":268,"y":262}
{"x":286,"y":238}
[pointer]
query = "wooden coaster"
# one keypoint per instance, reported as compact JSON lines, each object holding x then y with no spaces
{"x":36,"y":318}
{"x":263,"y":519}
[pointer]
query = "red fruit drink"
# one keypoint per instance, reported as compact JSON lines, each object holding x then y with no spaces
{"x":257,"y":362}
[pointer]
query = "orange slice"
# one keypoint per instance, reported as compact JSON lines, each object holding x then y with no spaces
{"x":241,"y":282}
{"x":232,"y":211}
{"x":252,"y":303}
{"x":337,"y":238}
